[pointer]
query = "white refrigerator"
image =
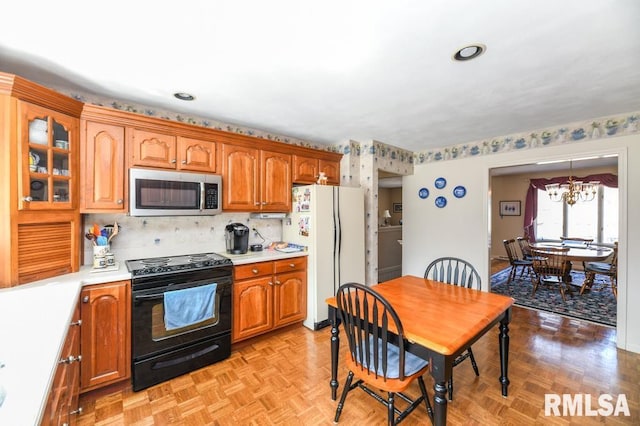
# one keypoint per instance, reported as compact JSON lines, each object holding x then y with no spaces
{"x":329,"y":220}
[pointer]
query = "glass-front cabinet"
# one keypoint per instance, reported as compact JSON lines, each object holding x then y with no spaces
{"x":48,"y":158}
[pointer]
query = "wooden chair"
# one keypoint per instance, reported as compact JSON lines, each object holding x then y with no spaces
{"x":550,"y":266}
{"x":525,"y":248}
{"x":452,"y":270}
{"x":609,"y":269}
{"x":377,"y":356}
{"x":515,"y":261}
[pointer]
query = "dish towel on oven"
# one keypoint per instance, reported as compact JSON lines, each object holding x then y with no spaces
{"x":183,"y":308}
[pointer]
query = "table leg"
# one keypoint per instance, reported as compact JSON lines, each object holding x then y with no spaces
{"x":440,"y":403}
{"x":503,"y":340}
{"x":335,"y":348}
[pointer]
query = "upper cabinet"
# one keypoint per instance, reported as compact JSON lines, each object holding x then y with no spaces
{"x":255,"y":180}
{"x":103,"y":185}
{"x":47,"y":158}
{"x":153,"y":149}
{"x":307,"y":169}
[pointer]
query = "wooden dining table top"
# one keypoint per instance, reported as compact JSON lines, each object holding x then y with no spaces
{"x":440,"y":316}
{"x":578,"y":254}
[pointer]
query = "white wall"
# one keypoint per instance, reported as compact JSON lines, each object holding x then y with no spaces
{"x":462,"y":228}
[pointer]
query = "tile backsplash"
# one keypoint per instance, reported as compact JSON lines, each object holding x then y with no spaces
{"x":143,"y":237}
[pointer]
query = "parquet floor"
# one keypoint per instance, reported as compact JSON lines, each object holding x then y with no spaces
{"x":283,"y":379}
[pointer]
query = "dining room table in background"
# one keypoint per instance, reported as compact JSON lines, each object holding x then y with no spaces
{"x":577,"y":253}
{"x":440,"y":322}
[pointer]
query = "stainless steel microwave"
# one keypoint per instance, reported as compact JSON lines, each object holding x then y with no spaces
{"x":172,"y":193}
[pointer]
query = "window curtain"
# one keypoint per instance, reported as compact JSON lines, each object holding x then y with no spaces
{"x":531,"y":201}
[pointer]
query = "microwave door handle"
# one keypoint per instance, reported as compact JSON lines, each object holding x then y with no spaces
{"x":202,"y":194}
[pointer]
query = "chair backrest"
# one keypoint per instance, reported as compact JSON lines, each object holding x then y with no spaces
{"x":614,"y":260}
{"x":452,"y":270}
{"x":373,"y":331}
{"x":510,"y":248}
{"x":525,"y":248}
{"x":550,"y":262}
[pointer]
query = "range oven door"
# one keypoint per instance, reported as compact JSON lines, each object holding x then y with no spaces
{"x":149,"y":334}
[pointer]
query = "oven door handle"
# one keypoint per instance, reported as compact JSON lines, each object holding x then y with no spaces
{"x":148,"y":296}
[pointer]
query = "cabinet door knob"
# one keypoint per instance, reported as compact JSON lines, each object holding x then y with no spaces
{"x":173,"y":161}
{"x":257,"y":203}
{"x":264,"y":202}
{"x":120,"y":201}
{"x":270,"y":283}
{"x":278,"y":282}
{"x":292,"y":265}
{"x":28,"y":199}
{"x":254,"y":270}
{"x":85,"y":299}
{"x":78,"y":323}
{"x":78,"y":411}
{"x":184,"y":161}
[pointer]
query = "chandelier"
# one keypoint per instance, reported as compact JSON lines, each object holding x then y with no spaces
{"x":574,"y":190}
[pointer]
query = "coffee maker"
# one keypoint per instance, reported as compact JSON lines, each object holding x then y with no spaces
{"x":237,"y":238}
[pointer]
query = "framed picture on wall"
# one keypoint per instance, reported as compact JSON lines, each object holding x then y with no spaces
{"x":397,"y":207}
{"x":509,"y":208}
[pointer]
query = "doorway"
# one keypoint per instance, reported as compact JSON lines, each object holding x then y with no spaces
{"x":389,"y":225}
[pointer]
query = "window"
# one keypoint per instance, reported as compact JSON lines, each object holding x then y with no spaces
{"x":592,"y":219}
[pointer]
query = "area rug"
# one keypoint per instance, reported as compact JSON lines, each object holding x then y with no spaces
{"x":597,"y":305}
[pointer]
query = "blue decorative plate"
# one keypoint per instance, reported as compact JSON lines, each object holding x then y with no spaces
{"x":440,"y":183}
{"x":441,"y":202}
{"x":423,"y":193}
{"x":459,"y":191}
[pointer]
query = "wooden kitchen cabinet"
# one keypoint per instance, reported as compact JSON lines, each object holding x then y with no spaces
{"x":103,"y":185}
{"x":268,"y":295}
{"x":40,"y":233}
{"x":154,"y":149}
{"x":105,"y":310}
{"x":307,"y":169}
{"x":62,"y":404}
{"x":255,"y":180}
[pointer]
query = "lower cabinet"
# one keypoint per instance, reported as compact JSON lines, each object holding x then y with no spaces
{"x":62,"y":405}
{"x":105,"y":337}
{"x":268,"y":295}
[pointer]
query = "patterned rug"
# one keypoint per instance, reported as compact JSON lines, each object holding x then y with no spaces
{"x":597,"y":305}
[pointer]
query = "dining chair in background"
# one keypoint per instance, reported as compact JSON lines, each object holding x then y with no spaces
{"x":525,"y":247}
{"x":550,"y":267}
{"x":511,"y":247}
{"x":455,"y":271}
{"x":377,"y":356}
{"x":609,"y":269}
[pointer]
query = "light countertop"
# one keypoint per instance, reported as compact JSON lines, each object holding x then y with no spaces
{"x":34,"y":320}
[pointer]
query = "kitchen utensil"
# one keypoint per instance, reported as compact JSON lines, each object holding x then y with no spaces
{"x":101,"y":241}
{"x":91,"y":237}
{"x":95,"y":230}
{"x":114,"y":232}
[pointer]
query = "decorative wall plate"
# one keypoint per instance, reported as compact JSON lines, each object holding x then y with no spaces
{"x":459,"y":191}
{"x":440,"y":183}
{"x":441,"y":202}
{"x":423,"y":193}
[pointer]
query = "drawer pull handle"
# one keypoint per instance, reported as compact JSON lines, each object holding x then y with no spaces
{"x":293,"y":265}
{"x":254,"y":270}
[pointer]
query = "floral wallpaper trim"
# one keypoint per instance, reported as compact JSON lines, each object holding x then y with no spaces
{"x":575,"y":132}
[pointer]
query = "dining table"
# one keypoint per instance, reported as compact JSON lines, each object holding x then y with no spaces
{"x":440,"y":322}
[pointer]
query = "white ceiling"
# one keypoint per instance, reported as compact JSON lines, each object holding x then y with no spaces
{"x":332,"y":71}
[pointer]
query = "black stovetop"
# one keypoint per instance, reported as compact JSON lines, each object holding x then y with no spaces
{"x":167,"y":264}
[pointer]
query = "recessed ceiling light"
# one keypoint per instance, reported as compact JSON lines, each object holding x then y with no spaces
{"x":184,"y":96}
{"x":469,"y":52}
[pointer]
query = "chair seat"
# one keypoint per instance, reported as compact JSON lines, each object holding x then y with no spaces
{"x":412,"y":363}
{"x":598,"y":267}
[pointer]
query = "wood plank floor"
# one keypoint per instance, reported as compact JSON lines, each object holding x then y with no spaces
{"x":283,"y":379}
